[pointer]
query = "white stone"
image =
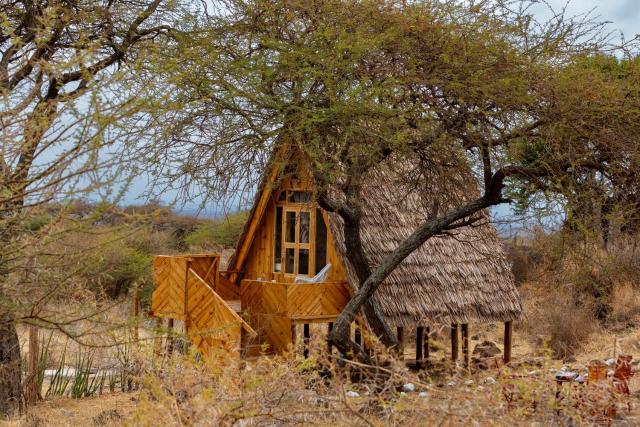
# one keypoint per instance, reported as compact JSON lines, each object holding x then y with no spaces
{"x":610,"y":362}
{"x":468,"y":382}
{"x":402,"y":393}
{"x":423,"y":394}
{"x":352,"y":393}
{"x":489,"y":380}
{"x":451,"y":384}
{"x":409,"y":387}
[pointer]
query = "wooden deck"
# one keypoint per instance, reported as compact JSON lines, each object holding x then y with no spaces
{"x":275,"y":307}
{"x":216,"y":311}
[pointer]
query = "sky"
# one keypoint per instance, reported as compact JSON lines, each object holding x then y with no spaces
{"x":623,"y":15}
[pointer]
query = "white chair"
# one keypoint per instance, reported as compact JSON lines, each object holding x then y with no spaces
{"x":318,"y":278}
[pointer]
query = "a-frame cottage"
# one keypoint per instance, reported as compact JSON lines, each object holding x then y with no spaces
{"x":453,"y":280}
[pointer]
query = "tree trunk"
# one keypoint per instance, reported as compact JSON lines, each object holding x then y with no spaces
{"x":10,"y":368}
{"x":358,"y":260}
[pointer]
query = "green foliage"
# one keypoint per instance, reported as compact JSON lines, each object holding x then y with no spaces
{"x":221,"y":233}
{"x":37,"y":222}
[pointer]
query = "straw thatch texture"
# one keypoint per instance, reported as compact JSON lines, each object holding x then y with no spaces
{"x":457,"y":278}
{"x":462,"y":277}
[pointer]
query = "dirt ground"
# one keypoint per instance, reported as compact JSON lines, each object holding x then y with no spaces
{"x":118,"y":408}
{"x":105,"y":410}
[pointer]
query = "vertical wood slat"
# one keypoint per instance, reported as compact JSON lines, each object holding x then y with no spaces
{"x":419,"y":337}
{"x":157,"y":339}
{"x":508,"y":335}
{"x":427,"y":338}
{"x":170,"y":340}
{"x":307,"y":338}
{"x":454,"y":341}
{"x":465,"y":343}
{"x":401,"y":342}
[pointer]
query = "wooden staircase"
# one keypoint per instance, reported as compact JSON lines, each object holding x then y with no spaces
{"x":185,"y":289}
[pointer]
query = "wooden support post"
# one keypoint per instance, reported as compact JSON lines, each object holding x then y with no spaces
{"x":454,"y":341}
{"x":401,"y":342}
{"x":170,"y":339}
{"x":465,"y":344}
{"x":157,"y":339}
{"x":419,"y":336}
{"x":136,"y":314}
{"x":307,"y":339}
{"x":293,"y":335}
{"x":357,"y":336}
{"x":329,"y":329}
{"x":508,"y":333}
{"x":32,"y":392}
{"x":427,"y":338}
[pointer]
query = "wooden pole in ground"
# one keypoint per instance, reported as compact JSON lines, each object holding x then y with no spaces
{"x":136,"y":314}
{"x":293,"y":335}
{"x":329,"y":329}
{"x":170,"y":340}
{"x":508,"y":334}
{"x":401,"y":342}
{"x":454,"y":341}
{"x":32,"y":393}
{"x":307,"y":339}
{"x":157,"y":338}
{"x":419,"y":336}
{"x":465,"y":344}
{"x":427,"y":337}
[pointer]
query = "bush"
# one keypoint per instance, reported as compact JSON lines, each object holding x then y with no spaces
{"x":217,"y":234}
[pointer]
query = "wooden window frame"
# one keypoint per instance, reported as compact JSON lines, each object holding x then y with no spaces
{"x":297,"y":208}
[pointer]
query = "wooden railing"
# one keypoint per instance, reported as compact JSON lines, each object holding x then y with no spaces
{"x":295,"y":301}
{"x":211,"y":322}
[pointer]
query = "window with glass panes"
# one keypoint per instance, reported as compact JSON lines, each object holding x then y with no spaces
{"x":300,"y":245}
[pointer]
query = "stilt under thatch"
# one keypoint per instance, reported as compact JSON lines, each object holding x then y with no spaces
{"x":508,"y":335}
{"x":454,"y":341}
{"x":401,"y":342}
{"x":419,"y":336}
{"x":465,"y":343}
{"x":427,"y":337}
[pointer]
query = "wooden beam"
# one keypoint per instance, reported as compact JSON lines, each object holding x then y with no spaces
{"x":419,"y":336}
{"x":170,"y":340}
{"x":427,"y":338}
{"x":454,"y":341}
{"x":465,"y":344}
{"x":307,"y":339}
{"x":401,"y":342}
{"x":508,"y":335}
{"x":293,"y":335}
{"x":157,"y":339}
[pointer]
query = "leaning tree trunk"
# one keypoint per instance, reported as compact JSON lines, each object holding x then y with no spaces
{"x":10,"y":368}
{"x":358,"y":260}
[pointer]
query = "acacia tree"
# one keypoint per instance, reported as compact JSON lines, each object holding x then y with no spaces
{"x":67,"y":116}
{"x":446,"y":86}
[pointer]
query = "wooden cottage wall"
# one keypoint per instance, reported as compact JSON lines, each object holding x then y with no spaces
{"x":259,"y":262}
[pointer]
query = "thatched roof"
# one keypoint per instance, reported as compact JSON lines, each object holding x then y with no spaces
{"x":460,"y":278}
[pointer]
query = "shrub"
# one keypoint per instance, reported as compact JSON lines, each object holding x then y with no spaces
{"x":217,"y":234}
